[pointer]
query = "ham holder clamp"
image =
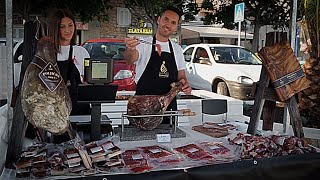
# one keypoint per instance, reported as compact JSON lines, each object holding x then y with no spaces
{"x":150,"y":105}
{"x":132,"y":132}
{"x":171,"y":114}
{"x":145,"y":114}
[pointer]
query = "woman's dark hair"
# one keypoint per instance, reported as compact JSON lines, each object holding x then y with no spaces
{"x":171,"y":8}
{"x":54,"y":27}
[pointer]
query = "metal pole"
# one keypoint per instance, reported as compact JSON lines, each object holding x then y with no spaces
{"x":239,"y":39}
{"x":294,"y":25}
{"x":245,"y":33}
{"x":9,"y":45}
{"x":286,"y":115}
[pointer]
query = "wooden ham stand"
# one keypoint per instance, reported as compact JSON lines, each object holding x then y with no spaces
{"x":266,"y":95}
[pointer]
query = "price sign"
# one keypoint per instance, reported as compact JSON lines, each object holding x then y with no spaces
{"x":163,"y":138}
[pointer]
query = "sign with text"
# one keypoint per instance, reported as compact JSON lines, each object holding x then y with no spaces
{"x":163,"y":138}
{"x":140,"y":31}
{"x":239,"y":12}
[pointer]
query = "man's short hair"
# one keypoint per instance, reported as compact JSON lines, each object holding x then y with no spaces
{"x":171,"y":8}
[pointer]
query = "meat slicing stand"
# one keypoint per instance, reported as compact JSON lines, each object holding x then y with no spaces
{"x":170,"y":114}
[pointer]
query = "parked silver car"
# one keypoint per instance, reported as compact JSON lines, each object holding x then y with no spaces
{"x":224,"y":69}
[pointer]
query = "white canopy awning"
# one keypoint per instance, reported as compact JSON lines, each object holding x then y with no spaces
{"x":210,"y":31}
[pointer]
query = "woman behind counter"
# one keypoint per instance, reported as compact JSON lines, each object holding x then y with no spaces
{"x":70,"y":57}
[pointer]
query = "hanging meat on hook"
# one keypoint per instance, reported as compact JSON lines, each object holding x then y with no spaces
{"x":45,"y":98}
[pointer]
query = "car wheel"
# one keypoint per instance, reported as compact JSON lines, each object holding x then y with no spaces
{"x":222,"y":89}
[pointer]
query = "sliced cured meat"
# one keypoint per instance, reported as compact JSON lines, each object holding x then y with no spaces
{"x":133,"y":158}
{"x":193,"y":152}
{"x":155,"y":151}
{"x":215,"y":148}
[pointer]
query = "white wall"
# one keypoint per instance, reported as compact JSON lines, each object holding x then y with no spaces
{"x":225,"y":41}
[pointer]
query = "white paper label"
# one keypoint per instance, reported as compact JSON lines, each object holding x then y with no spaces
{"x":163,"y":138}
{"x":137,"y":156}
{"x":95,"y":149}
{"x":214,"y":147}
{"x":192,"y":150}
{"x":107,"y":146}
{"x":72,"y":155}
{"x":155,"y":150}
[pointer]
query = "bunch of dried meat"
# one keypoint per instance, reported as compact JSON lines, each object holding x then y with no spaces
{"x":270,"y":146}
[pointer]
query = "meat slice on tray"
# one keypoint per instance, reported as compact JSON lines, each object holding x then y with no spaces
{"x":135,"y":161}
{"x":133,"y":158}
{"x":155,"y":151}
{"x":193,"y":152}
{"x":150,"y":105}
{"x":215,"y":148}
{"x":160,"y":156}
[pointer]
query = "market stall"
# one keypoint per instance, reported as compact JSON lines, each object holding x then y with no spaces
{"x":200,"y":151}
{"x":286,"y":166}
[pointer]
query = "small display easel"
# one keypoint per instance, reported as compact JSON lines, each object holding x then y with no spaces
{"x":265,"y":93}
{"x":281,"y":66}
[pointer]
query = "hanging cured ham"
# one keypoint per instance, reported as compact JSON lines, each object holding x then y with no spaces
{"x":45,"y":98}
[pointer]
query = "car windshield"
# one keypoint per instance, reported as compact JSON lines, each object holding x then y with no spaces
{"x":112,"y":50}
{"x":234,"y":55}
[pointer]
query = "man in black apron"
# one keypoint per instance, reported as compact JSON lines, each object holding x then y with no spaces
{"x":161,"y":69}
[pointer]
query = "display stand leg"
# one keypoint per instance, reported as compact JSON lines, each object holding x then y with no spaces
{"x":286,"y":120}
{"x":71,"y":132}
{"x":96,"y":121}
{"x":295,"y":117}
{"x":268,"y":115}
{"x":258,"y":102}
{"x":122,"y":123}
{"x":264,"y":92}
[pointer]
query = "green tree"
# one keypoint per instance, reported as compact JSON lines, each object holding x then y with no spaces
{"x":85,"y":10}
{"x":190,"y":9}
{"x":258,"y":12}
{"x":152,"y":8}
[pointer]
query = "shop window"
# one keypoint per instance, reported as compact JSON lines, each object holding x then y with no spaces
{"x":123,"y":17}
